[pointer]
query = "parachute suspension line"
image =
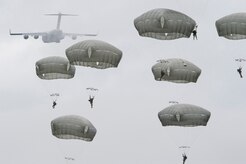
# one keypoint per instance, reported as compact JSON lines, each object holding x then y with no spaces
{"x":173,"y":138}
{"x":92,"y":91}
{"x":184,"y":131}
{"x":60,"y":151}
{"x":184,"y":138}
{"x":67,"y":152}
{"x":51,"y":88}
{"x":55,"y":96}
{"x":201,"y":132}
{"x":240,"y":62}
{"x":184,"y":149}
{"x":46,"y":89}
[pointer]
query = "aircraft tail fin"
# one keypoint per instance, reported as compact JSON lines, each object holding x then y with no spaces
{"x":59,"y":18}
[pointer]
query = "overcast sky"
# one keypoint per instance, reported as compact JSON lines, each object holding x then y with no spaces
{"x":129,"y":99}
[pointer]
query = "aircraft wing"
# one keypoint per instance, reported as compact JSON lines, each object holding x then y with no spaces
{"x":75,"y":34}
{"x":28,"y":33}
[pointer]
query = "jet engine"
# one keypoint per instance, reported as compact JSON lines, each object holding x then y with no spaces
{"x":26,"y":36}
{"x":35,"y":36}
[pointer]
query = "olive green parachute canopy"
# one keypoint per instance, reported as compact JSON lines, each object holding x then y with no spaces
{"x":54,"y":67}
{"x":73,"y":127}
{"x":94,"y":53}
{"x":164,"y":24}
{"x":184,"y":115}
{"x":176,"y":70}
{"x":232,"y":26}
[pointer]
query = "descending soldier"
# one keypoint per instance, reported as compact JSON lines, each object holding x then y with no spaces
{"x":54,"y":104}
{"x":91,"y":100}
{"x":239,"y":70}
{"x":194,"y":32}
{"x":184,"y":158}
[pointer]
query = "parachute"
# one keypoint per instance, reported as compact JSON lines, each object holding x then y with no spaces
{"x":54,"y":67}
{"x":184,"y":115}
{"x":175,"y":70}
{"x":70,"y":131}
{"x":184,"y":123}
{"x":94,"y":53}
{"x":232,"y":26}
{"x":73,"y":127}
{"x":164,"y":24}
{"x":51,"y":69}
